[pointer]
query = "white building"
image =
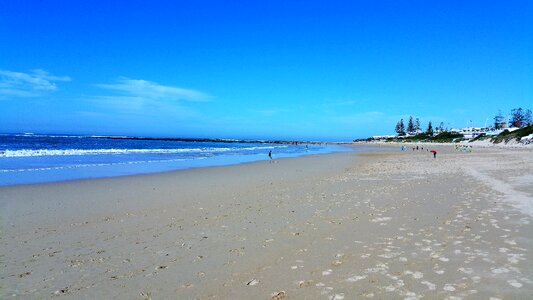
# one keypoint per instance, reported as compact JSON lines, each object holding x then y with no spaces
{"x":471,"y":132}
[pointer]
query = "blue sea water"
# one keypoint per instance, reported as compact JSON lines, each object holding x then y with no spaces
{"x":30,"y":158}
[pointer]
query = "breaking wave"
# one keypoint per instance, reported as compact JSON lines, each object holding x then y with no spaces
{"x":81,"y":152}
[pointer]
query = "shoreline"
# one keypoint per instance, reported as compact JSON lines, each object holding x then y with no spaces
{"x":43,"y":170}
{"x":347,"y":147}
{"x":481,"y":144}
{"x":169,"y":172}
{"x":384,"y":224}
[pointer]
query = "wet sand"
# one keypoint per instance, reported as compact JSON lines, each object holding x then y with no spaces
{"x":383,"y":225}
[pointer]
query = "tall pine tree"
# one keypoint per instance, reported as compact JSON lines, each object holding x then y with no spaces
{"x":400,"y":128}
{"x":430,"y":129}
{"x":498,"y":120}
{"x":410,"y":125}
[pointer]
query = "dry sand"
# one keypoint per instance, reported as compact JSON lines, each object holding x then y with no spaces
{"x":385,"y":225}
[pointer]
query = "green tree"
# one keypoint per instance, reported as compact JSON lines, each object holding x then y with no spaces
{"x":519,"y":117}
{"x":430,"y":129}
{"x":410,"y":125}
{"x":400,"y":128}
{"x":528,"y":120}
{"x":441,"y":127}
{"x":498,"y":120}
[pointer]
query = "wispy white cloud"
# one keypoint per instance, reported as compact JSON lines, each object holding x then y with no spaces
{"x":33,"y":84}
{"x":148,"y":90}
{"x":140,"y":107}
{"x":142,"y":98}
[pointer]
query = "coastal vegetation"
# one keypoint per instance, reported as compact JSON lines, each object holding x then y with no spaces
{"x":518,"y":128}
{"x":518,"y":117}
{"x":413,"y":128}
{"x":506,"y":135}
{"x":453,"y":137}
{"x":521,"y":117}
{"x":442,"y":137}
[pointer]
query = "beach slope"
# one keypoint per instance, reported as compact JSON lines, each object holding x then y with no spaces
{"x":380,"y":225}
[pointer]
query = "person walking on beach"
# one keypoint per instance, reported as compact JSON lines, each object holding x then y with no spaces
{"x":270,"y":154}
{"x":434,"y":153}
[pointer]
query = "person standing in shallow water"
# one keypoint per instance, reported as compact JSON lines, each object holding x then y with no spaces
{"x":270,"y":154}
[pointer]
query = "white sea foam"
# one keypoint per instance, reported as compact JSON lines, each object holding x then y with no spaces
{"x":79,"y":152}
{"x":94,"y":165}
{"x":76,"y":157}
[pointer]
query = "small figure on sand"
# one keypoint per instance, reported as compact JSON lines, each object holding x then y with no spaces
{"x":434,"y":153}
{"x":270,"y":154}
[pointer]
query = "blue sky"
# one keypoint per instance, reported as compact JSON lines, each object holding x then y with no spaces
{"x":306,"y":70}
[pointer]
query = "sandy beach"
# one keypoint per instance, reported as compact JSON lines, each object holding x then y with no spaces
{"x":378,"y":225}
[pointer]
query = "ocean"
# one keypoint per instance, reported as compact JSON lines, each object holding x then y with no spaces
{"x":35,"y":158}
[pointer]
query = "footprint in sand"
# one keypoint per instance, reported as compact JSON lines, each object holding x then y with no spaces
{"x":510,"y":242}
{"x":431,"y":286}
{"x":416,"y":275}
{"x":336,"y":263}
{"x":448,"y":287}
{"x":514,"y":258}
{"x":514,"y":283}
{"x":305,"y":283}
{"x":355,"y":278}
{"x":466,"y":270}
{"x":326,"y":290}
{"x":500,"y":270}
{"x":390,"y":288}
